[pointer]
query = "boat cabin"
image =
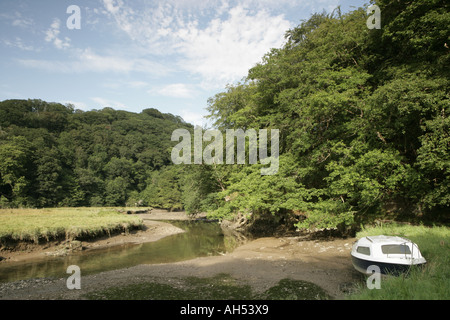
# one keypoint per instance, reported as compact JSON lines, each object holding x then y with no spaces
{"x":392,"y":254}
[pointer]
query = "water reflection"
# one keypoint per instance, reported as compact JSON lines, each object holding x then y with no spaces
{"x":201,"y":239}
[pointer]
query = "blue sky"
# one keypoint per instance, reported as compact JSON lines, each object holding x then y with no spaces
{"x":171,"y":55}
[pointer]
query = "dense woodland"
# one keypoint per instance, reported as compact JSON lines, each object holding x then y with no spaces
{"x":52,"y":155}
{"x":363,"y":118}
{"x":362,"y":114}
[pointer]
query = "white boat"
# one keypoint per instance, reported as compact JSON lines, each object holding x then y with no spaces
{"x":391,"y":254}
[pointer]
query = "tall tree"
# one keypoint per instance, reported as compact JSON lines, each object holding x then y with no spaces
{"x":362,"y":114}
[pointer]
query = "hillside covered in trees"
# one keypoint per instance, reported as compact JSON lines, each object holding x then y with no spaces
{"x":362,"y":114}
{"x":52,"y":155}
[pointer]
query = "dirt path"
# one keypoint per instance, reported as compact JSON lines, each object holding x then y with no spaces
{"x":260,"y":263}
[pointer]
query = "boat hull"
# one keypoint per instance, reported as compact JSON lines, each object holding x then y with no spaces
{"x":363,"y":265}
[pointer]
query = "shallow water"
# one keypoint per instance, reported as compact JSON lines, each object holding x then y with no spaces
{"x":200,"y":239}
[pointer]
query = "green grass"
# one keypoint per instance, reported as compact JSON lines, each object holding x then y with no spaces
{"x":219,"y":287}
{"x":71,"y":223}
{"x":431,"y":282}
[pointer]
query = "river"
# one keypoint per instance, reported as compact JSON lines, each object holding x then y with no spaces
{"x":200,"y":239}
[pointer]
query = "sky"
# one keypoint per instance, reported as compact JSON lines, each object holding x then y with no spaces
{"x":130,"y":55}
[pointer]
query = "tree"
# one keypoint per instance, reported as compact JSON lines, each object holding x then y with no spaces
{"x":49,"y":188}
{"x":16,"y":158}
{"x":116,"y":191}
{"x":52,"y":155}
{"x":362,"y":116}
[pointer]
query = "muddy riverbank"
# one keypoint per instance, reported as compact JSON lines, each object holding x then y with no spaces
{"x":259,"y":263}
{"x":154,"y":229}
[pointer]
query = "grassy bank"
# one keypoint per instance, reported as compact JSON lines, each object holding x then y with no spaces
{"x":429,"y":283}
{"x":70,"y":223}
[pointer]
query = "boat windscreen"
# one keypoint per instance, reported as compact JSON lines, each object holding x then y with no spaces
{"x":395,"y":249}
{"x":363,"y":250}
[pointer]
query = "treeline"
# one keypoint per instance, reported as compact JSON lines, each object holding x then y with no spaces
{"x":53,"y":155}
{"x":362,"y":114}
{"x":363,"y":120}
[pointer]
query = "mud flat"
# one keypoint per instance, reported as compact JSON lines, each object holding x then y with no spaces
{"x":260,"y":263}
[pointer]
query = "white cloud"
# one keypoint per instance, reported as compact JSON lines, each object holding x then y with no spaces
{"x":47,"y":65}
{"x":87,"y":60}
{"x":194,"y":118}
{"x":78,"y":105}
{"x":51,"y":35}
{"x":103,"y":103}
{"x":152,"y":27}
{"x":22,"y":22}
{"x":217,"y":41}
{"x":137,"y":84}
{"x":176,"y":90}
{"x":115,"y":84}
{"x":225,"y":50}
{"x":19,"y":43}
{"x":16,"y":19}
{"x":111,"y":5}
{"x":90,"y":60}
{"x":110,"y":62}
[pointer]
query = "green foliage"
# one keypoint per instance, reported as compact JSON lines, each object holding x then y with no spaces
{"x":288,"y":289}
{"x":69,"y":223}
{"x":362,"y":114}
{"x":15,"y":167}
{"x":52,"y":155}
{"x":199,"y":187}
{"x":163,"y":189}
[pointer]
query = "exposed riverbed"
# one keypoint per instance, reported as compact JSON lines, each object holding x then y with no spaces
{"x":259,"y":263}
